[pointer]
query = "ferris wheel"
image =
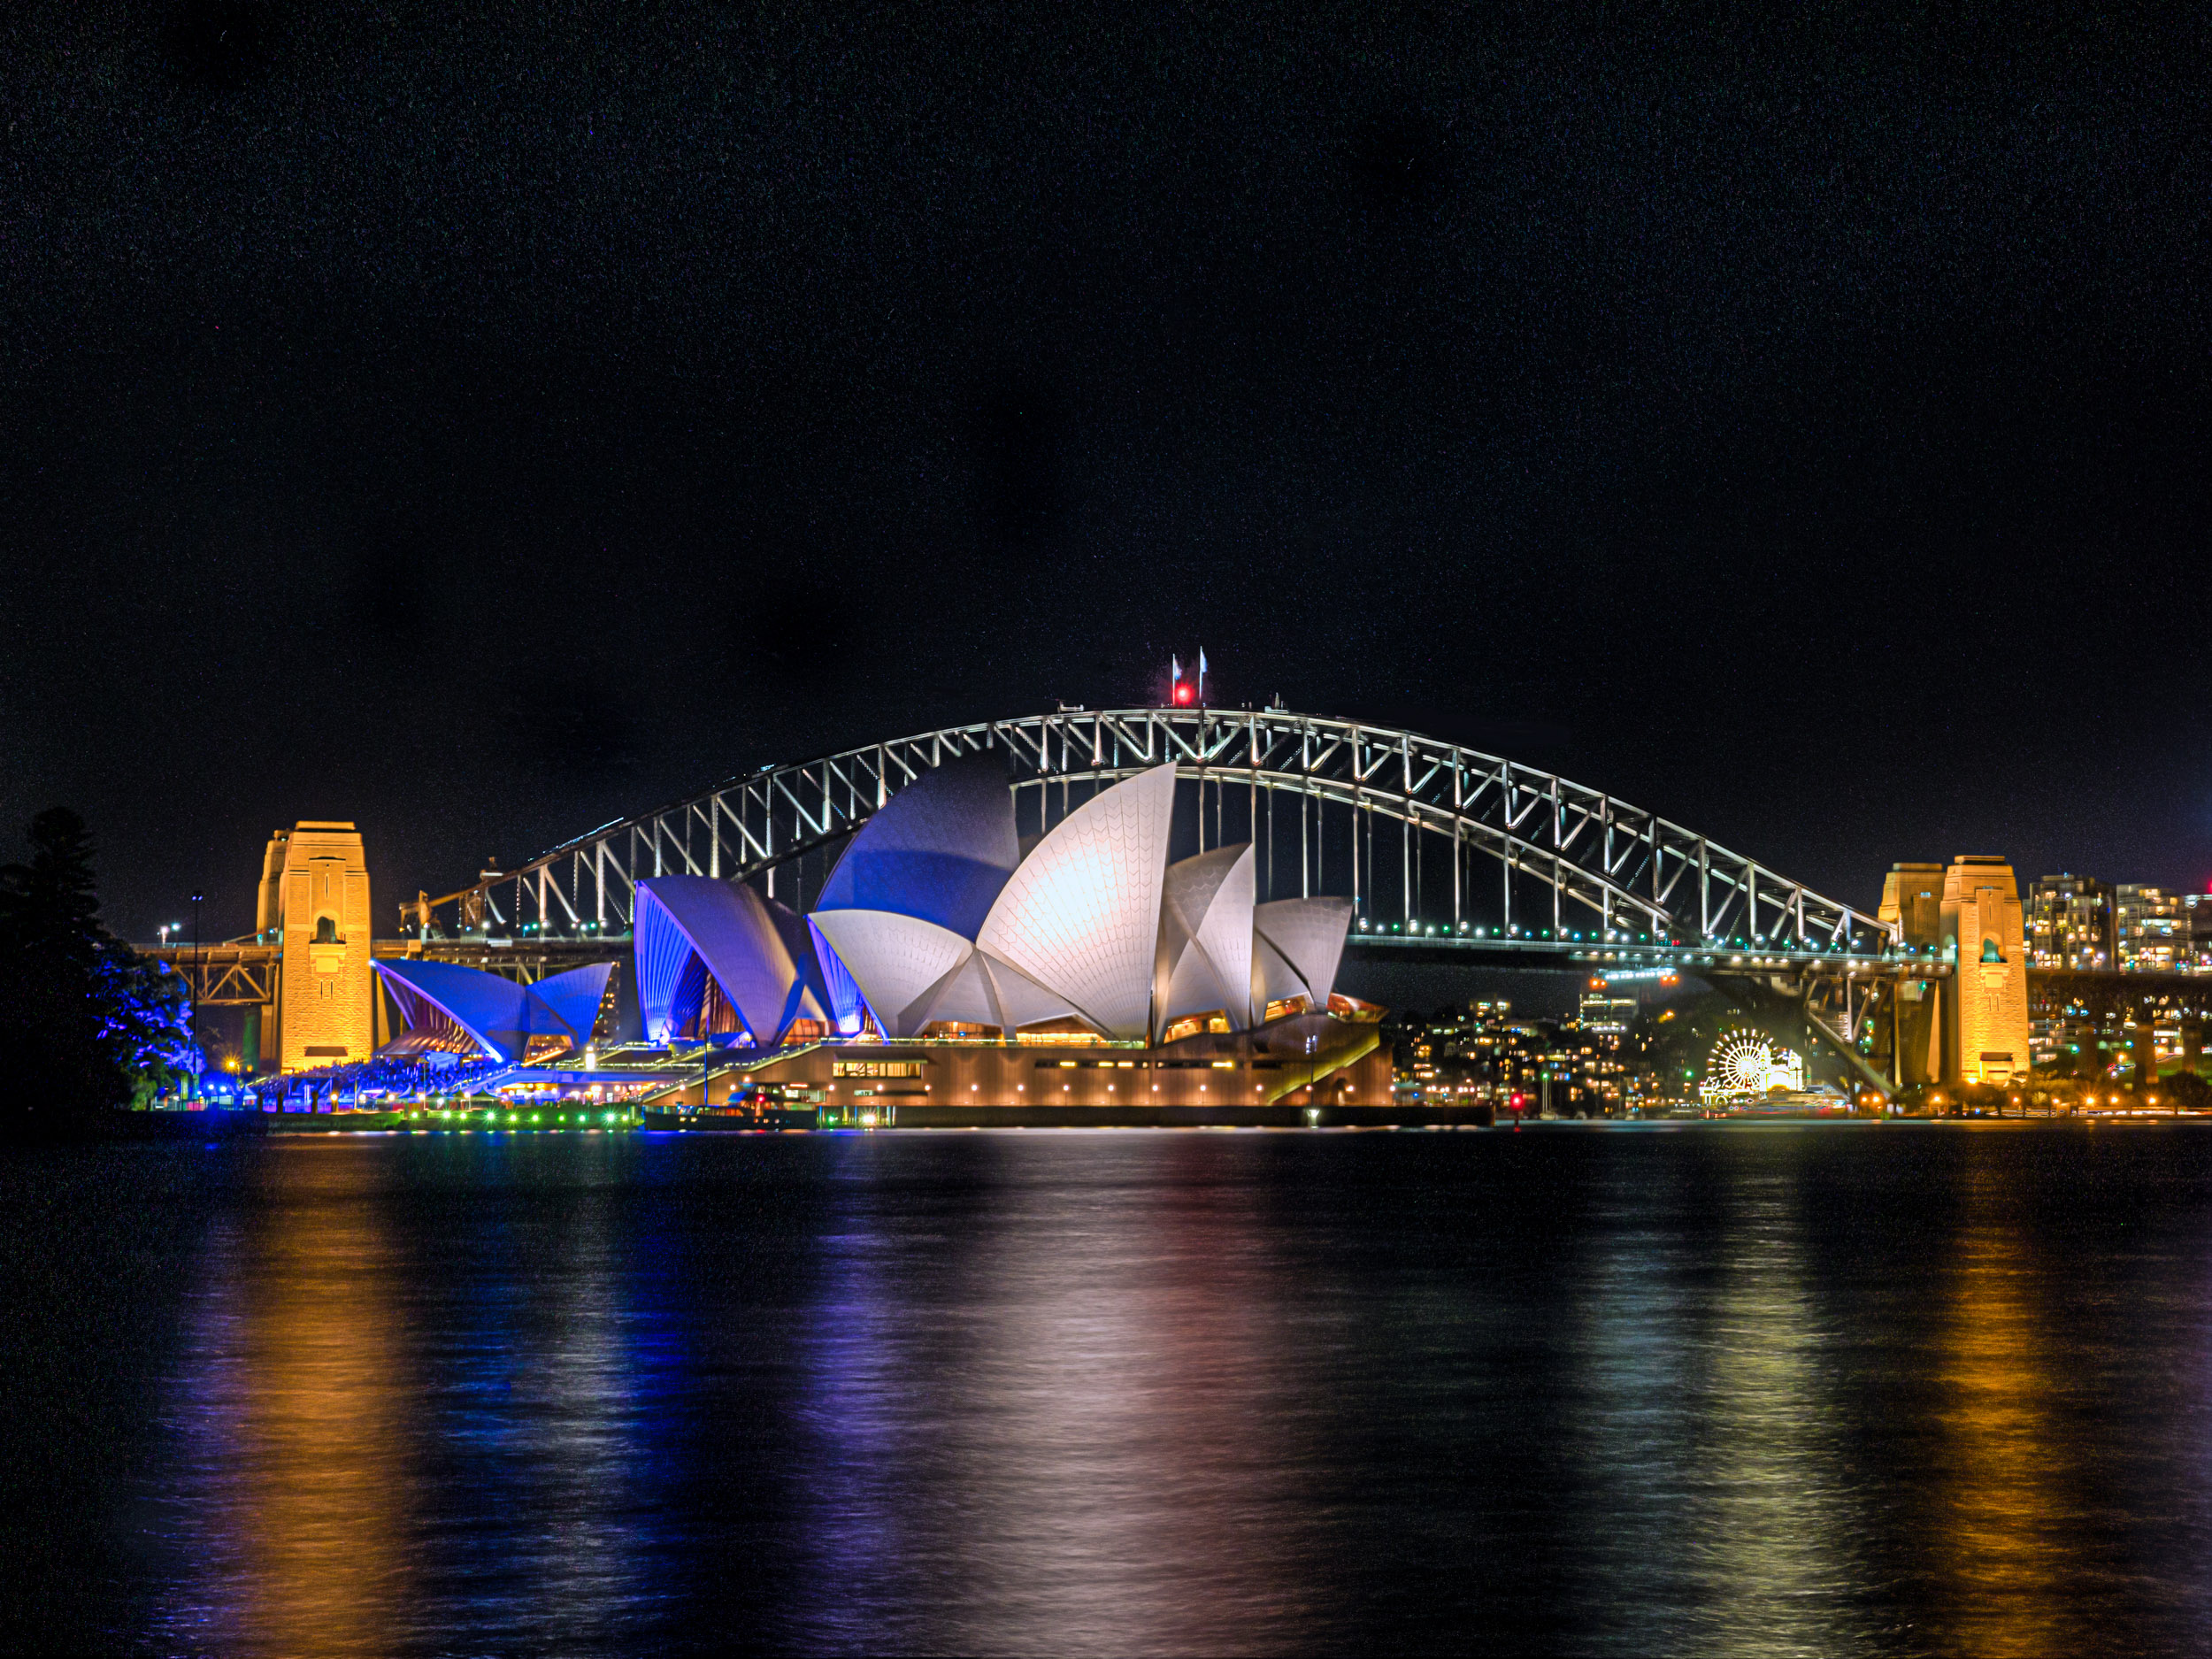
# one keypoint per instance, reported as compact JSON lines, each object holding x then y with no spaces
{"x":1745,"y":1067}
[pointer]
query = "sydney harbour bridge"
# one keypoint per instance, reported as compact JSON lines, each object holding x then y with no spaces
{"x":1449,"y":854}
{"x":1436,"y":844}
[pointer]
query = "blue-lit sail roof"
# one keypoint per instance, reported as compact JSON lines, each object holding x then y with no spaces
{"x":574,"y":997}
{"x":700,"y":942}
{"x":849,"y":1010}
{"x":501,"y":1017}
{"x":940,"y":849}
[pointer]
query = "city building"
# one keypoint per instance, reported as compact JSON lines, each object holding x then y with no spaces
{"x":2198,"y":908}
{"x":2151,"y":929}
{"x":2080,"y":924}
{"x":2070,"y":922}
{"x":1483,"y":1054}
{"x":2057,"y":1039}
{"x":1604,"y":1013}
{"x":1607,"y":1052}
{"x":1487,"y":1050}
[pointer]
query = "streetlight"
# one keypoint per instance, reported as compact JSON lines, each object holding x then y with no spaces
{"x":196,"y":897}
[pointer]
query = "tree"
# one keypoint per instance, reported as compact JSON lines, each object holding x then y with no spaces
{"x":146,"y":1010}
{"x":2184,"y":1091}
{"x":87,"y":1024}
{"x":52,"y":905}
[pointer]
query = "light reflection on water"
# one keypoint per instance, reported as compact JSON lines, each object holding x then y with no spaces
{"x":294,"y":1412}
{"x":1778,"y":1509}
{"x":1706,"y":1416}
{"x":1810,"y":1392}
{"x":1110,"y":1450}
{"x":2004,"y":1544}
{"x":342,"y":1391}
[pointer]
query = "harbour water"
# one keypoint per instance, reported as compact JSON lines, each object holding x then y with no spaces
{"x":1667,"y":1389}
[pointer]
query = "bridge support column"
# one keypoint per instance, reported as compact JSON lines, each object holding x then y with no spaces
{"x":2193,"y":1042}
{"x":1971,"y":911}
{"x":320,"y":910}
{"x":2146,"y":1050}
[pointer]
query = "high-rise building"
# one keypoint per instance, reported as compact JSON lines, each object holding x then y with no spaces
{"x":1605,"y":1050}
{"x":2056,"y":1035}
{"x":2151,"y":929}
{"x":2070,"y":922}
{"x":2198,"y":908}
{"x":1604,"y":1014}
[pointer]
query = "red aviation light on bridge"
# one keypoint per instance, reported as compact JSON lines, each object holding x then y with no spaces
{"x":1184,"y":692}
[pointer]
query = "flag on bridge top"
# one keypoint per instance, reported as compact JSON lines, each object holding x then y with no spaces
{"x":1202,"y":673}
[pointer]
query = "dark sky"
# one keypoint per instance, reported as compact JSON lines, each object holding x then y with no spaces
{"x":484,"y":421}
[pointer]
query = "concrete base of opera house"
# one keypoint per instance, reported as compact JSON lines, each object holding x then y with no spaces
{"x":1277,"y":1073}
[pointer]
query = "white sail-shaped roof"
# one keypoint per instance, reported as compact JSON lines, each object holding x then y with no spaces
{"x":975,"y":990}
{"x":964,"y":997}
{"x":1205,"y":949}
{"x":988,"y":992}
{"x":1273,"y":978}
{"x":1092,"y":922}
{"x":1021,"y":999}
{"x":808,"y":997}
{"x":492,"y":1011}
{"x":1081,"y":915}
{"x":895,"y":960}
{"x":902,"y":910}
{"x":1306,"y":935}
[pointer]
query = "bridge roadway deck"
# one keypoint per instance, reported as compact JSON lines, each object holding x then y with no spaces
{"x":1594,"y":956}
{"x":241,"y":972}
{"x":237,"y":972}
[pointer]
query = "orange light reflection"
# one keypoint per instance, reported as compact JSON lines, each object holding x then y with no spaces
{"x":300,"y":1411}
{"x":2004,"y":1549}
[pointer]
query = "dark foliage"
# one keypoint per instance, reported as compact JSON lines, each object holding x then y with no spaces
{"x":87,"y":1025}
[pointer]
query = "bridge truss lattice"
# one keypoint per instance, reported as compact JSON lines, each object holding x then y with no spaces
{"x":1485,"y":846}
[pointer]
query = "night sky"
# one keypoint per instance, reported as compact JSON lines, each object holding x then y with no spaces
{"x":481,"y":422}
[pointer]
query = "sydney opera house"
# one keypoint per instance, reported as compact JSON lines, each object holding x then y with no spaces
{"x":948,"y":970}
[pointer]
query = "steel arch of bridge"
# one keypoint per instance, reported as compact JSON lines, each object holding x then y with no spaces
{"x":1626,"y":868}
